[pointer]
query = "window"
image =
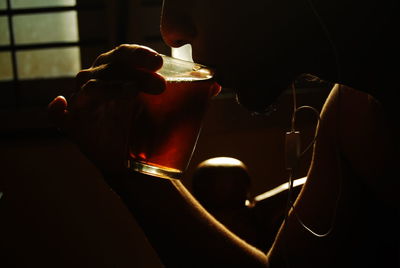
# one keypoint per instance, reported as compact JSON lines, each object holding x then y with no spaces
{"x":41,"y":44}
{"x":38,"y":34}
{"x":40,"y":41}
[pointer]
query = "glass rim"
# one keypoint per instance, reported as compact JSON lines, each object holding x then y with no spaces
{"x":178,"y":69}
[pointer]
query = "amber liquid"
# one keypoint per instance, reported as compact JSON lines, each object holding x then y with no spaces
{"x":167,"y":126}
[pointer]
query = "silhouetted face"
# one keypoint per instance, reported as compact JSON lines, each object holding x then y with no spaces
{"x":255,"y":47}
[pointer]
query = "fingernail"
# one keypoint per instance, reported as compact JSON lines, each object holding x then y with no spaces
{"x":149,"y":59}
{"x":154,"y":62}
{"x":57,"y":102}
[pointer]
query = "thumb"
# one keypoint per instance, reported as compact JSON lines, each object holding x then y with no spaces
{"x":57,"y":110}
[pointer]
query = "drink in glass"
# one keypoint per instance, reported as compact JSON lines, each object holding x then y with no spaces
{"x":167,"y":126}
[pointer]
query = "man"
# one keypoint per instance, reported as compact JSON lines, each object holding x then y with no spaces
{"x":346,"y":213}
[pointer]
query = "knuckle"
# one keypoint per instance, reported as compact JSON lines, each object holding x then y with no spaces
{"x":90,"y":84}
{"x":124,"y":48}
{"x":101,"y":58}
{"x":82,"y":74}
{"x":82,"y":77}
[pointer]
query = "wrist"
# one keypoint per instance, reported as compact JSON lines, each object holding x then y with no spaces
{"x":129,"y":182}
{"x":116,"y":179}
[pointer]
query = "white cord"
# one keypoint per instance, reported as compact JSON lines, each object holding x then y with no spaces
{"x":295,"y":110}
{"x":316,"y":132}
{"x":290,"y":204}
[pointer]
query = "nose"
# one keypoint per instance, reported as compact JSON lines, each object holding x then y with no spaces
{"x":177,"y":27}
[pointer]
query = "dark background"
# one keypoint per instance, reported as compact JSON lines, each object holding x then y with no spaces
{"x":56,"y":211}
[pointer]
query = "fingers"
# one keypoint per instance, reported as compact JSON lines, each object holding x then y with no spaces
{"x":149,"y":82}
{"x":98,"y":93}
{"x":94,"y":93}
{"x":133,"y":56}
{"x":127,"y":63}
{"x":94,"y":98}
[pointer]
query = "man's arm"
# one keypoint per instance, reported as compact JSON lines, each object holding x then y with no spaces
{"x":317,"y":202}
{"x":185,"y":234}
{"x":182,"y":232}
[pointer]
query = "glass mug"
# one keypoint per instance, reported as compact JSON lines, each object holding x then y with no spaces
{"x":166,"y":126}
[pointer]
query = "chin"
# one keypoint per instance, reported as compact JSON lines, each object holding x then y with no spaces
{"x":256,"y":92}
{"x":258,"y":100}
{"x":256,"y":105}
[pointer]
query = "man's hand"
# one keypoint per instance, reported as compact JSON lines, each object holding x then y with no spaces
{"x":98,"y":115}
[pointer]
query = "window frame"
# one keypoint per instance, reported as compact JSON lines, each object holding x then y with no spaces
{"x":23,"y":93}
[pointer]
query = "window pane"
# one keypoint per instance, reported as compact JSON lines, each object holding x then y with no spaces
{"x":41,"y":3}
{"x":46,"y":63}
{"x":3,"y":4}
{"x":43,"y":28}
{"x":4,"y":36}
{"x":5,"y":66}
